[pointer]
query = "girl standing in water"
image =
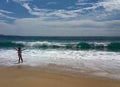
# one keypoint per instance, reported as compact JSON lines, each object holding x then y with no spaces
{"x":19,"y":51}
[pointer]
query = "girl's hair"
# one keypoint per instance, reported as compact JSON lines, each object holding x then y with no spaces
{"x":19,"y":48}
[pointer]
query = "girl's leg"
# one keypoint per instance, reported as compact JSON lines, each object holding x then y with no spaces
{"x":21,"y":60}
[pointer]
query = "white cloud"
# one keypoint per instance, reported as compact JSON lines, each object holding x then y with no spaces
{"x":101,"y":10}
{"x":26,"y":6}
{"x":36,"y":26}
{"x":77,"y":25}
{"x":63,"y":14}
{"x":6,"y":16}
{"x":83,"y":3}
{"x":49,"y":13}
{"x":110,"y":5}
{"x":39,"y":27}
{"x":80,"y":1}
{"x":7,"y":29}
{"x":22,"y":0}
{"x":51,"y":3}
{"x":4,"y":11}
{"x":35,"y":11}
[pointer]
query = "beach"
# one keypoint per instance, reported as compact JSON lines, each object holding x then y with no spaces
{"x":21,"y":76}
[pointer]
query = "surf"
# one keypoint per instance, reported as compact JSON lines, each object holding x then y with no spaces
{"x":108,"y":46}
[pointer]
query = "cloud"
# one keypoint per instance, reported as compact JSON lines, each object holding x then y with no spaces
{"x":83,"y":19}
{"x":80,"y":1}
{"x":73,"y":27}
{"x":51,"y":3}
{"x":35,"y":11}
{"x":7,"y":29}
{"x":84,"y":2}
{"x":38,"y":27}
{"x":49,"y":13}
{"x":22,"y":0}
{"x":7,"y":12}
{"x":108,"y":5}
{"x":101,"y":10}
{"x":26,"y":6}
{"x":5,"y":15}
{"x":86,"y":11}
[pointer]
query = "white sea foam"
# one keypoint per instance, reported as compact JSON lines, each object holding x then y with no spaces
{"x":100,"y":63}
{"x":39,"y":43}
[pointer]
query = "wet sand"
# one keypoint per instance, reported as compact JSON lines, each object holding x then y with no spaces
{"x":26,"y":77}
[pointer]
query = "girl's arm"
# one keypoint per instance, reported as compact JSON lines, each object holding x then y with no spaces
{"x":23,"y":49}
{"x":15,"y":48}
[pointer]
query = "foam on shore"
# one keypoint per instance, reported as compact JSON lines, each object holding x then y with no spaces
{"x":98,"y":63}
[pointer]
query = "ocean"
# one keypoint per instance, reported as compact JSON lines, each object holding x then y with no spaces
{"x":99,"y":56}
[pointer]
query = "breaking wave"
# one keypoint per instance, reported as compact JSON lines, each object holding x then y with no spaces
{"x":112,"y":46}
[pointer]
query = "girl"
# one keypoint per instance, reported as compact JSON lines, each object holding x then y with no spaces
{"x":19,"y":51}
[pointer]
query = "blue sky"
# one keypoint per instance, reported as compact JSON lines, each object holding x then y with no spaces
{"x":60,"y":17}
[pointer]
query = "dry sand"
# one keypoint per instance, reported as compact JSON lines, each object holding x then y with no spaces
{"x":25,"y":77}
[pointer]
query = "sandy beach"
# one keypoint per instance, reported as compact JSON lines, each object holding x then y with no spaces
{"x":20,"y":76}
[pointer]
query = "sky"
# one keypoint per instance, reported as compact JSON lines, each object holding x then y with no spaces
{"x":60,"y":17}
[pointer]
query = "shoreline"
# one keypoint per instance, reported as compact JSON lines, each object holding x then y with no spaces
{"x":62,"y":69}
{"x":25,"y":76}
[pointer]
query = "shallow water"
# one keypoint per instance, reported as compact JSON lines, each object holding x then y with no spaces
{"x":100,"y":63}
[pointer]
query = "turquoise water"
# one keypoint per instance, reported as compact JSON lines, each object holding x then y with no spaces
{"x":66,"y":43}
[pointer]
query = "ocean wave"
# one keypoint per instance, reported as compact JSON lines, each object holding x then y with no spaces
{"x":112,"y":46}
{"x":10,"y":44}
